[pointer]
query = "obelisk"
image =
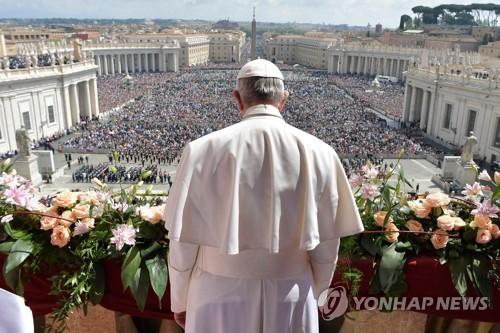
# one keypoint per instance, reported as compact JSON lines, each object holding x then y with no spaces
{"x":253,"y":52}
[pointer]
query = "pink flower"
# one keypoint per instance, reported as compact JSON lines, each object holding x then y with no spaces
{"x":484,"y":176}
{"x":495,"y":230}
{"x":439,"y":239}
{"x":483,"y":236}
{"x":496,"y":176}
{"x":481,"y":221}
{"x":17,"y":196}
{"x":11,"y":180}
{"x":486,"y":208}
{"x":356,"y":180}
{"x":369,"y":192}
{"x":371,"y":173}
{"x":123,"y":234}
{"x":472,"y":190}
{"x":83,"y":226}
{"x":458,"y":223}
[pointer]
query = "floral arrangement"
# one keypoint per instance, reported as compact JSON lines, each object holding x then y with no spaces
{"x":73,"y":233}
{"x":463,"y":231}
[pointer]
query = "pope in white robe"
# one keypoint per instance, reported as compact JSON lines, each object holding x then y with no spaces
{"x":254,"y":219}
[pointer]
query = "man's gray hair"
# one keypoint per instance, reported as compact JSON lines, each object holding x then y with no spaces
{"x":258,"y":88}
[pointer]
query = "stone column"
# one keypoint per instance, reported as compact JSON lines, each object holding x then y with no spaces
{"x":358,"y":69}
{"x":424,"y":111}
{"x":126,"y":64}
{"x":105,"y":65}
{"x":153,"y":62}
{"x":99,"y":69}
{"x":391,"y":67}
{"x":398,"y":73}
{"x":94,"y":101}
{"x":146,"y":62}
{"x":139,"y":60}
{"x":412,"y":103}
{"x":132,"y":58}
{"x":75,"y":106}
{"x":365,"y":65}
{"x":87,"y":109}
{"x":430,"y":112}
{"x":113,"y":64}
{"x":67,"y":108}
{"x":119,"y":63}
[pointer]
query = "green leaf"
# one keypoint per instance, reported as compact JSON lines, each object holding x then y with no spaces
{"x":158,"y":274}
{"x":14,"y":233}
{"x":13,"y":279}
{"x":458,"y":270}
{"x":97,"y":291}
{"x":386,"y":195}
{"x":480,"y":278}
{"x":130,"y":266}
{"x":390,"y":268}
{"x":19,"y":252}
{"x":5,"y":247}
{"x":496,"y":194}
{"x":140,"y":287}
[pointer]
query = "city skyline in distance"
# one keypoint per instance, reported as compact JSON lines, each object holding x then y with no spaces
{"x":352,"y":12}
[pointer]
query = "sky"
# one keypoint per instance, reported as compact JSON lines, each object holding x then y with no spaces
{"x":352,"y":12}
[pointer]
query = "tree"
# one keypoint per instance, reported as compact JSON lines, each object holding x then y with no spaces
{"x":405,"y":22}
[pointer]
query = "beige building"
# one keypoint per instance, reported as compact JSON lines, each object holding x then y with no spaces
{"x":491,"y":50}
{"x":226,"y":46}
{"x":309,"y":50}
{"x":421,"y":39}
{"x":15,"y":37}
{"x":3,"y":48}
{"x":194,"y":48}
{"x":448,"y":102}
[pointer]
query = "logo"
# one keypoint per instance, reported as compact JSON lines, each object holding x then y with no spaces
{"x":333,"y":302}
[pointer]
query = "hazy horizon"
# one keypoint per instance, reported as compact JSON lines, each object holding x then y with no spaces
{"x":351,"y":12}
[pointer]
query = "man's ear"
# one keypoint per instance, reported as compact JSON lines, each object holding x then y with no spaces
{"x":237,"y":96}
{"x":282,"y":103}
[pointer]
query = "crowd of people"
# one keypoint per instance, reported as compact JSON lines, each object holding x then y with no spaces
{"x":171,"y":109}
{"x":109,"y":173}
{"x":387,"y":97}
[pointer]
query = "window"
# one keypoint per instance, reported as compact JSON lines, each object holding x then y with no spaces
{"x":471,"y":122}
{"x":447,"y":116}
{"x":496,"y":141}
{"x":50,"y":112}
{"x":26,"y":120}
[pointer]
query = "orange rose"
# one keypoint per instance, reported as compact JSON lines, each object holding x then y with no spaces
{"x":439,"y":239}
{"x":152,"y":214}
{"x":48,"y":223}
{"x":414,"y":226}
{"x":458,"y":223}
{"x":495,"y":231}
{"x":379,"y":218}
{"x":420,"y":210}
{"x":64,"y":199}
{"x":66,"y":219}
{"x":481,"y":221}
{"x":483,"y":236}
{"x":81,"y":211}
{"x":437,"y":199}
{"x":446,"y":222}
{"x":60,"y":236}
{"x":392,"y":234}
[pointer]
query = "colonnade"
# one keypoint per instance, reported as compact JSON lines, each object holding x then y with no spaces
{"x":135,"y":62}
{"x":81,"y":101}
{"x":368,"y":65}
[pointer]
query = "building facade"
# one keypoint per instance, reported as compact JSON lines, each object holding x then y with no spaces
{"x":308,"y":50}
{"x":46,"y":100}
{"x":447,"y":103}
{"x":135,"y":57}
{"x":391,"y":61}
{"x":226,"y":46}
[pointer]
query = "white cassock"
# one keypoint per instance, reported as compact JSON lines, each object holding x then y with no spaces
{"x":15,"y":316}
{"x":254,"y":218}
